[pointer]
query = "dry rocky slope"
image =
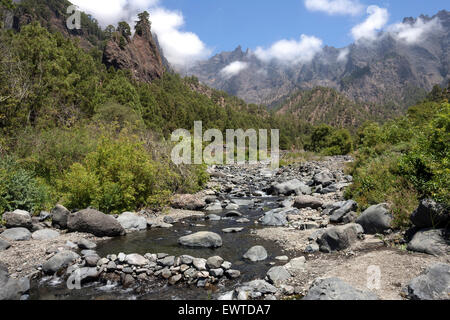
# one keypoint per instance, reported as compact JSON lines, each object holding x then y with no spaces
{"x":331,"y":252}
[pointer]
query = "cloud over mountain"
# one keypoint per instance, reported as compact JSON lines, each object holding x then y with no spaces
{"x":377,"y":19}
{"x":233,"y":69}
{"x":291,"y":51}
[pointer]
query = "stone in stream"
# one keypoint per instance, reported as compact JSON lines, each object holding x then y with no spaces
{"x":175,"y":279}
{"x":4,"y":245}
{"x":275,"y":217}
{"x":94,"y":222}
{"x":432,"y":241}
{"x":132,"y":221}
{"x":233,"y":274}
{"x":45,"y":234}
{"x":185,"y":259}
{"x":278,"y":275}
{"x":256,"y":253}
{"x":135,"y":259}
{"x":92,"y":260}
{"x":167,"y":261}
{"x":376,"y":219}
{"x":243,"y":220}
{"x":202,"y":239}
{"x":18,"y":219}
{"x":60,"y":215}
{"x":232,"y":206}
{"x":232,"y":230}
{"x":233,"y":213}
{"x":282,"y":258}
{"x":16,"y":234}
{"x":214,"y":262}
{"x":430,"y":214}
{"x":199,"y":264}
{"x":58,"y":261}
{"x":306,"y":201}
{"x":336,"y":289}
{"x":226,"y":265}
{"x":339,"y":238}
{"x":217,"y":206}
{"x":433,"y":284}
{"x":243,"y":202}
{"x":86,"y":244}
{"x":213,"y":217}
{"x":216,"y":272}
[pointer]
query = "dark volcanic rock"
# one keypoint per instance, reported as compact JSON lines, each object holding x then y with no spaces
{"x":95,"y":222}
{"x":431,"y":241}
{"x":434,"y":284}
{"x":375,"y":219}
{"x":336,"y":289}
{"x":430,"y":214}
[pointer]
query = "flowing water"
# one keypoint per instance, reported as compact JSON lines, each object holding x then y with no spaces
{"x":166,"y":241}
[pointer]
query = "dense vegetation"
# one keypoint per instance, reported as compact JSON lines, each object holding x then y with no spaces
{"x":406,"y":159}
{"x":62,"y":110}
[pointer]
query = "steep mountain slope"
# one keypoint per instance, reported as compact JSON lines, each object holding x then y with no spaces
{"x":388,"y":71}
{"x":326,"y":105}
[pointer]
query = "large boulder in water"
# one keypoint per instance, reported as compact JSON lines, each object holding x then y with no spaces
{"x":256,"y":253}
{"x":18,"y":219}
{"x":430,"y":214}
{"x":95,"y":222}
{"x":339,"y":238}
{"x":376,"y":219}
{"x":60,"y":215}
{"x":201,"y":239}
{"x":433,"y":284}
{"x":336,"y":289}
{"x":431,"y":241}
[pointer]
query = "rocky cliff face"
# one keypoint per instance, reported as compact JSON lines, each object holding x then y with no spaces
{"x":140,"y":55}
{"x":386,"y":72}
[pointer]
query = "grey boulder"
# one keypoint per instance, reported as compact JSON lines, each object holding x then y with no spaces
{"x":324,"y":178}
{"x":338,"y":215}
{"x":4,"y":245}
{"x":132,"y":221}
{"x":59,"y":261}
{"x":60,"y":215}
{"x":16,"y":234}
{"x":256,"y":253}
{"x":275,"y":217}
{"x":336,"y":289}
{"x":433,"y":284}
{"x":290,"y":187}
{"x":10,"y":288}
{"x":430,"y":214}
{"x":18,"y":219}
{"x":203,"y":239}
{"x":431,"y":241}
{"x":339,"y":238}
{"x":306,"y":201}
{"x":45,"y":234}
{"x":375,"y":219}
{"x":277,"y":275}
{"x":95,"y":222}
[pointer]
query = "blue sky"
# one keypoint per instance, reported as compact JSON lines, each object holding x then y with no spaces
{"x":287,"y":30}
{"x":225,"y":24}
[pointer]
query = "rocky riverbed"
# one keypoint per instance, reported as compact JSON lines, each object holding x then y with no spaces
{"x":254,"y":233}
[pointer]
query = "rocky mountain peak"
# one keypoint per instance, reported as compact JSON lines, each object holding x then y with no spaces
{"x":140,"y":54}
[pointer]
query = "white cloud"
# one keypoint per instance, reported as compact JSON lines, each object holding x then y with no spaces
{"x":181,"y":48}
{"x":233,"y":69}
{"x":335,"y":7}
{"x":343,"y":55}
{"x":291,"y":51}
{"x":412,"y":33}
{"x":378,"y":17}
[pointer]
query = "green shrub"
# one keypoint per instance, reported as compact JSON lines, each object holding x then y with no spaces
{"x":20,"y":189}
